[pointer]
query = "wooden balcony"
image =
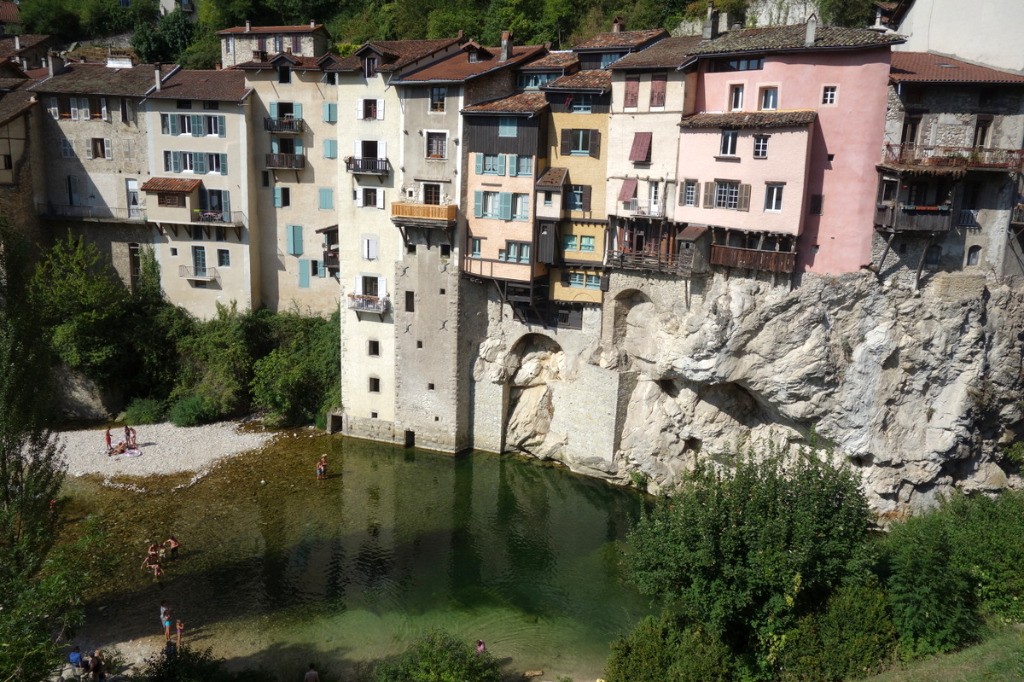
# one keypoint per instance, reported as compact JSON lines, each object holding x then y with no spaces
{"x":285,"y":125}
{"x":424,"y":215}
{"x":1017,"y":215}
{"x":912,"y":218}
{"x":367,"y":166}
{"x":668,"y":263}
{"x":976,"y":158}
{"x":753,"y":259}
{"x":286,"y":161}
{"x":104,"y":214}
{"x":203,"y":274}
{"x":368,"y":304}
{"x":332,"y":261}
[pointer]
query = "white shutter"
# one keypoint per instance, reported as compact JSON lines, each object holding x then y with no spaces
{"x":357,"y":149}
{"x":380,"y":198}
{"x":380,"y":110}
{"x":358,"y":288}
{"x":88,"y":149}
{"x":359,"y":109}
{"x":108,"y":149}
{"x":371,"y":249}
{"x":74,"y":110}
{"x":382,"y":287}
{"x":103,"y":109}
{"x":382,"y":150}
{"x":359,"y":197}
{"x":54,"y":110}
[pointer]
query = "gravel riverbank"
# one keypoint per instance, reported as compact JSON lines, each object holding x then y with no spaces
{"x":166,"y":449}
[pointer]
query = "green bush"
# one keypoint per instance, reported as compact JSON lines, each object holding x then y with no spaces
{"x":196,"y":665}
{"x":192,"y":411}
{"x":144,"y":411}
{"x":932,"y":598}
{"x":646,"y":653}
{"x":440,"y":657}
{"x":701,"y":658}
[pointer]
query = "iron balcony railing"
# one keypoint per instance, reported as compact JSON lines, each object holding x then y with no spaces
{"x":367,"y":165}
{"x":962,"y":157}
{"x":286,"y":161}
{"x":636,"y":207}
{"x":286,"y":124}
{"x":205,"y":274}
{"x":78,"y":212}
{"x":204,"y":215}
{"x":368,"y":304}
{"x":968,"y":217}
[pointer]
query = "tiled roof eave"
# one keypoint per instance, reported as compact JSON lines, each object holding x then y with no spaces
{"x":788,"y":50}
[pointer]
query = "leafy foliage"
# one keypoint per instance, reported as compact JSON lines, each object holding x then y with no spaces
{"x":170,"y":38}
{"x":744,"y":553}
{"x":144,"y":411}
{"x":193,"y":410}
{"x":195,"y":665}
{"x":440,"y":657}
{"x":663,"y":650}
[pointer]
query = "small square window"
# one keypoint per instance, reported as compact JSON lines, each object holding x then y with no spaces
{"x":769,"y":99}
{"x":373,"y":415}
{"x":441,"y":292}
{"x":174,"y":251}
{"x":446,"y":250}
{"x":828,"y":94}
{"x":430,"y":387}
{"x":373,"y":348}
{"x":374,"y":385}
{"x":419,"y":344}
{"x":410,"y":248}
{"x":223,"y":258}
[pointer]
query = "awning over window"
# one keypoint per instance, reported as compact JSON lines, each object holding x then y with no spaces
{"x":641,"y":150}
{"x":170,"y":185}
{"x":628,"y":190}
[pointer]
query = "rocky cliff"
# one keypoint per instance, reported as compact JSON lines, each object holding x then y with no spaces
{"x":921,"y":391}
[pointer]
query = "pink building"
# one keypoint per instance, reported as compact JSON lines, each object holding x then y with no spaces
{"x":783,"y":142}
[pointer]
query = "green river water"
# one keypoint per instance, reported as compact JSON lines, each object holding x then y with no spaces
{"x":278,"y":569}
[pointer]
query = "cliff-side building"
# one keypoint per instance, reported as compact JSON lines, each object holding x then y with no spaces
{"x":21,"y":151}
{"x":240,"y":44}
{"x":949,"y":180}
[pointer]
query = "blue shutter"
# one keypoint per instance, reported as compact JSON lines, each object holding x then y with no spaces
{"x":297,"y":111}
{"x":273,"y":110}
{"x":200,"y":163}
{"x":479,"y":164}
{"x":321,"y":270}
{"x":513,"y":161}
{"x":223,"y":164}
{"x":197,"y":125}
{"x":326,"y":198}
{"x":330,"y":112}
{"x":295,"y":240}
{"x":501,"y":164}
{"x":330,"y":149}
{"x":277,"y":197}
{"x":303,"y":273}
{"x":176,"y":162}
{"x":478,"y":203}
{"x":298,"y":145}
{"x":175,"y":129}
{"x":505,"y":206}
{"x":222,"y":128}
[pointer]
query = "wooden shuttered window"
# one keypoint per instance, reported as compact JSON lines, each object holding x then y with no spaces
{"x":659,"y":81}
{"x":586,"y":197}
{"x":709,"y":195}
{"x":744,"y":199}
{"x":595,"y":143}
{"x":632,"y":91}
{"x":566,"y":143}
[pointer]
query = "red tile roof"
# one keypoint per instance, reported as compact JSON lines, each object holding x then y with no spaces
{"x":926,"y":67}
{"x":552,"y":61}
{"x":792,"y":38}
{"x":294,"y":61}
{"x":15,"y":99}
{"x":397,"y":54}
{"x":226,"y":85}
{"x":751,"y":119}
{"x":591,"y":79}
{"x":620,"y":40}
{"x":27,"y":42}
{"x":457,"y":67}
{"x":100,"y":79}
{"x":520,"y":103}
{"x":172,"y":185}
{"x":692,"y":232}
{"x":552,"y":178}
{"x":9,"y":13}
{"x":264,"y":30}
{"x":664,"y":54}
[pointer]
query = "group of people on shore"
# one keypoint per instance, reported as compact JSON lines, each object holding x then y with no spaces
{"x":155,"y":554}
{"x":167,"y":621}
{"x":83,"y":664}
{"x":130,"y":441}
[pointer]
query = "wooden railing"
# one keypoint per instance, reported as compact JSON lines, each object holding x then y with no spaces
{"x":753,"y":259}
{"x":286,"y":161}
{"x":956,"y":157}
{"x":285,"y":124}
{"x":331,"y":259}
{"x":368,"y":304}
{"x":654,"y":262}
{"x":440,"y":212}
{"x":914,"y":218}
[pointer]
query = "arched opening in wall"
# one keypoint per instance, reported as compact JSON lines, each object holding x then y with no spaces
{"x":534,"y":363}
{"x":933,"y":257}
{"x":973,"y":255}
{"x":624,"y":304}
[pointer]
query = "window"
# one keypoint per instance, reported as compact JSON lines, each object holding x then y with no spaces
{"x":330,"y":149}
{"x":524,"y":165}
{"x":981,"y":131}
{"x":370,"y":66}
{"x":547,"y":198}
{"x":374,"y":385}
{"x":293,"y":236}
{"x":593,"y":282}
{"x":582,"y":104}
{"x":828,"y":94}
{"x":817,"y":202}
{"x":282,"y":197}
{"x":67,"y":150}
{"x":690,"y":193}
{"x":749,"y":64}
{"x":188,"y":161}
{"x":170,"y":200}
{"x":728,"y":147}
{"x":520,"y":206}
{"x":214,"y":125}
{"x":587,"y":244}
{"x":659,"y":82}
{"x":515,"y":252}
{"x":773,"y":197}
{"x":640,"y":152}
{"x":727,"y":195}
{"x":610,"y":58}
{"x":576,"y":280}
{"x":489,"y":206}
{"x":760,"y":146}
{"x":410,"y":301}
{"x":223,"y":258}
{"x":369,"y":249}
{"x":437,"y":98}
{"x":265,"y":178}
{"x":973,"y":255}
{"x":579,"y":198}
{"x":99,"y":148}
{"x":492,"y":164}
{"x":580,"y":142}
{"x":373,"y":348}
{"x":569,"y":242}
{"x":330,"y":112}
{"x":474,"y":246}
{"x":368,"y":195}
{"x":369,"y":108}
{"x":508,"y":126}
{"x":432,"y":193}
{"x":632,"y":94}
{"x":329,"y":78}
{"x":326,"y":198}
{"x":211,"y":106}
{"x":284,"y":74}
{"x":229,"y":46}
{"x":213,"y":164}
{"x":769,"y":99}
{"x":368,"y":285}
{"x":532,"y":81}
{"x":437,"y":145}
{"x":183,"y":104}
{"x":735,"y":97}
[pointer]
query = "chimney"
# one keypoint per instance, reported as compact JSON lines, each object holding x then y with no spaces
{"x":156,"y":75}
{"x":711,"y":23}
{"x":812,"y":28}
{"x":55,"y":65}
{"x":248,"y":25}
{"x":17,"y":42}
{"x":506,"y":46}
{"x":618,"y":25}
{"x":312,"y":23}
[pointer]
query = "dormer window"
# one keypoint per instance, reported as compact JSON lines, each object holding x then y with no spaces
{"x":284,"y":74}
{"x":474,"y":56}
{"x":370,"y":66}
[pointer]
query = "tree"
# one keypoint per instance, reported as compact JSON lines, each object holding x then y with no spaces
{"x":744,"y":552}
{"x":171,"y":37}
{"x":856,"y":13}
{"x":439,"y":657}
{"x":39,"y":586}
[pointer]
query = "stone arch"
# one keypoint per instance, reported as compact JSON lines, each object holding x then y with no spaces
{"x":625,"y":301}
{"x":533,"y":364}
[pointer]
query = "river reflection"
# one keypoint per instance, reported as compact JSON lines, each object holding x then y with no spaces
{"x":392,"y":544}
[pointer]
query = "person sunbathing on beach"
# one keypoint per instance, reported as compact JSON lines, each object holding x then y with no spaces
{"x":153,"y":563}
{"x":118,"y":449}
{"x":172,"y":545}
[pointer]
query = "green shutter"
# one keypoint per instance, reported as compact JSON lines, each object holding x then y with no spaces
{"x":320,"y":268}
{"x":273,"y":110}
{"x":513,"y":161}
{"x":479,"y":164}
{"x":505,"y":205}
{"x":478,"y":203}
{"x":501,"y":164}
{"x":200,"y":162}
{"x":277,"y":197}
{"x":174,"y":127}
{"x":303,"y":273}
{"x":176,"y":162}
{"x":298,"y":145}
{"x":330,"y":149}
{"x":223,"y":164}
{"x":197,"y":125}
{"x":222,"y":128}
{"x":326,"y":198}
{"x":297,"y":111}
{"x":295,"y":240}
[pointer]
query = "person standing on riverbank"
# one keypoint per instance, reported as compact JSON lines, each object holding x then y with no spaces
{"x":108,"y":439}
{"x":311,"y":675}
{"x":321,"y":468}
